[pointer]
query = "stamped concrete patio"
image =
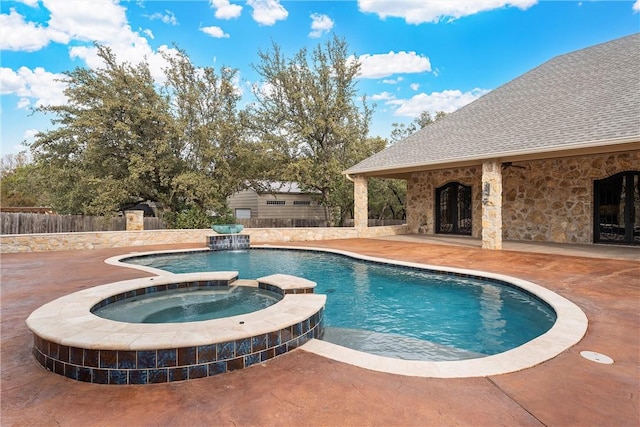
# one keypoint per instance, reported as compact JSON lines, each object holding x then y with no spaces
{"x":301,"y":388}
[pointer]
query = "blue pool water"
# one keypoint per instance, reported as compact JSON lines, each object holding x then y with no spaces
{"x":390,"y":310}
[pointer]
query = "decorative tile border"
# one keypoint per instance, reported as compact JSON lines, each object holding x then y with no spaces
{"x":218,"y":284}
{"x":71,"y":341}
{"x":173,"y":364}
{"x":285,"y":284}
{"x":225,"y":242}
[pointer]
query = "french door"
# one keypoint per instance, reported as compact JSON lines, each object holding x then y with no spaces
{"x":617,"y":209}
{"x":453,"y":209}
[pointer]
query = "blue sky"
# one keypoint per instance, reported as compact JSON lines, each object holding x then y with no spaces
{"x":415,"y":55}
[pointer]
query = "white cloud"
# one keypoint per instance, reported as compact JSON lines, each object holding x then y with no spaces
{"x":267,"y":12}
{"x":29,"y":134}
{"x":149,"y":33}
{"x":83,"y":22}
{"x":23,"y":103}
{"x":447,"y":101}
{"x":168,"y":17}
{"x":414,"y":86}
{"x":216,"y":32}
{"x":34,"y":87}
{"x":133,"y":49}
{"x":320,"y":24}
{"x":103,"y":21}
{"x":383,"y":96}
{"x":382,"y":65}
{"x":225,"y":10}
{"x":636,"y":6}
{"x":393,"y":81}
{"x":19,"y":35}
{"x":418,"y":12}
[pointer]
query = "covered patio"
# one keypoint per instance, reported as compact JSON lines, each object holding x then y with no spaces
{"x":551,"y":156}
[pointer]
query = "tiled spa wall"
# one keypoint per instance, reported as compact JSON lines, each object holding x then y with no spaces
{"x":174,"y":364}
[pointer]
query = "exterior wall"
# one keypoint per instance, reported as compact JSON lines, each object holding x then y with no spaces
{"x":112,"y":239}
{"x":543,"y":200}
{"x":552,"y":200}
{"x":249,"y":199}
{"x":421,"y":197}
{"x":245,"y":199}
{"x":289,"y":210}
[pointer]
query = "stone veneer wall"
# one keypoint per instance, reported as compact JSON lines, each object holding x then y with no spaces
{"x":111,"y":239}
{"x":421,"y":197}
{"x":545,"y":200}
{"x":552,"y":200}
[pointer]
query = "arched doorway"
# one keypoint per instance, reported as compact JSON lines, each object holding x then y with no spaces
{"x":617,"y":209}
{"x":453,"y":209}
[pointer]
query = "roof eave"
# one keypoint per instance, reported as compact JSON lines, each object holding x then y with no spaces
{"x":565,"y":150}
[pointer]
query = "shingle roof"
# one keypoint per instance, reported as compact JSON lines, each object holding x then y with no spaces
{"x":587,"y":97}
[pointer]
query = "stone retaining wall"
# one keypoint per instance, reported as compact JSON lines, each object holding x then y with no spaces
{"x":111,"y":239}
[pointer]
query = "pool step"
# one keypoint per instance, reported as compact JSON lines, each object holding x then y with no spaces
{"x":396,"y":346}
{"x":246,"y":282}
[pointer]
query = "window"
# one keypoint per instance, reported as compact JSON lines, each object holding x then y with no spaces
{"x":302,"y":203}
{"x":276,"y":202}
{"x":243,"y":213}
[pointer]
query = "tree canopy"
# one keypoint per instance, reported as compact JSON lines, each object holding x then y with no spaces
{"x":306,"y":109}
{"x":121,"y":139}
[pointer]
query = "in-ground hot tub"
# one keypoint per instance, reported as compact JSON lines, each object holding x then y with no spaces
{"x":72,"y":341}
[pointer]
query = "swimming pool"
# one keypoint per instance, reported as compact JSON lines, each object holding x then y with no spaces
{"x":70,"y":340}
{"x":401,"y":312}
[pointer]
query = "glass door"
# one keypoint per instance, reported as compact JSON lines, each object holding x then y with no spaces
{"x":453,"y":209}
{"x":617,"y":209}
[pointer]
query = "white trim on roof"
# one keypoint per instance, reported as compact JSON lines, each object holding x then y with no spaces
{"x":564,"y":150}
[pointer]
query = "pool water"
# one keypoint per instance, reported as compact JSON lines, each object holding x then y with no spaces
{"x":390,"y":310}
{"x":188,"y":305}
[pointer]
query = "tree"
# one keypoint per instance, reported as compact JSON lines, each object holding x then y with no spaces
{"x":114,"y":143}
{"x":401,"y":131}
{"x":217,"y":156}
{"x":17,"y":181}
{"x":121,"y":139}
{"x":306,"y":111}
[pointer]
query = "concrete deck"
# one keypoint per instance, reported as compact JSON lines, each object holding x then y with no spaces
{"x":301,"y":388}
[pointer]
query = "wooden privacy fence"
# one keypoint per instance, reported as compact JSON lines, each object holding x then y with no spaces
{"x":303,"y":222}
{"x":31,"y":223}
{"x":281,"y":222}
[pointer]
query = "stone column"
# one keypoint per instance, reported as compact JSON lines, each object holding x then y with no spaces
{"x":492,"y":205}
{"x":135,"y":220}
{"x":361,"y":204}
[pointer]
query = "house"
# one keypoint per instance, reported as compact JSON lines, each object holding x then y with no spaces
{"x":551,"y":156}
{"x":276,"y":200}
